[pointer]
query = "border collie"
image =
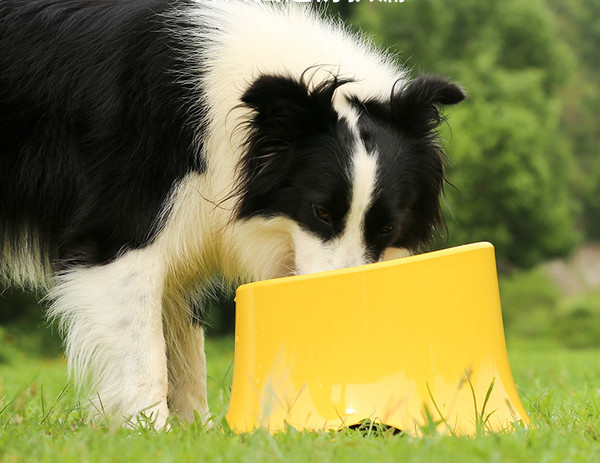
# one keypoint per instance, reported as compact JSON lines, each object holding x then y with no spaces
{"x":148,"y":147}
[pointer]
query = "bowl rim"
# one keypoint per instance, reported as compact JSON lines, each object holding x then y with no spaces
{"x":431,"y":255}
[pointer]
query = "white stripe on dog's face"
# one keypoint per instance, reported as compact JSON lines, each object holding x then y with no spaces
{"x":348,"y":249}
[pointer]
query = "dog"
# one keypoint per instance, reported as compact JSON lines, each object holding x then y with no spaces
{"x":150,"y":147}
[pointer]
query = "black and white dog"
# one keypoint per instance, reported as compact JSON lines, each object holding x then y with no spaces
{"x":150,"y":146}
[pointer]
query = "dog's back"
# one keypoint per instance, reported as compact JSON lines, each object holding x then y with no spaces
{"x":94,"y":129}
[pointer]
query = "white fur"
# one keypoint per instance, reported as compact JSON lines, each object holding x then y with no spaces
{"x":395,"y":253}
{"x":112,"y":316}
{"x":25,"y":266}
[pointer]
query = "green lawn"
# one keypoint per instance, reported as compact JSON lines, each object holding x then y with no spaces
{"x":40,"y":420}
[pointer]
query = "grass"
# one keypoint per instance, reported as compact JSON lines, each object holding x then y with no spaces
{"x":40,"y":420}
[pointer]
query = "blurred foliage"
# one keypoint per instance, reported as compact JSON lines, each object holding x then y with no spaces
{"x":579,"y":26}
{"x":23,"y":327}
{"x":533,"y":309}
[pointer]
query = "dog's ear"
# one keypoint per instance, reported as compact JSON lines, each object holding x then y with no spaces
{"x":285,"y":108}
{"x":416,"y":108}
{"x":285,"y":113}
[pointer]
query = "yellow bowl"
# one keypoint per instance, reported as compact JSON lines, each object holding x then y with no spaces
{"x":410,"y":343}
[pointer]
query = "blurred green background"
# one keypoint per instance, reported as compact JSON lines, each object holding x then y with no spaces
{"x":523,"y":157}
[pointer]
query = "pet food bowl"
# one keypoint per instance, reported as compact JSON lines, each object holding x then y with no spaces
{"x":410,"y":343}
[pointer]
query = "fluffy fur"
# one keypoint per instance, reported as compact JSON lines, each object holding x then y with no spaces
{"x":150,"y":146}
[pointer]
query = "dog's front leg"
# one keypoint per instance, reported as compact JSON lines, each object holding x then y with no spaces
{"x":186,"y":362}
{"x":111,"y":316}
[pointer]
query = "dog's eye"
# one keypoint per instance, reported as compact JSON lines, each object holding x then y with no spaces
{"x":322,"y":214}
{"x":387,"y":229}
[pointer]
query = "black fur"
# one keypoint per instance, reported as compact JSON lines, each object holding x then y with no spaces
{"x":411,"y":171}
{"x":298,"y":156}
{"x":93,"y":124}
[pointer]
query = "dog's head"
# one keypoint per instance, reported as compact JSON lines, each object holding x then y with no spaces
{"x":354,"y":182}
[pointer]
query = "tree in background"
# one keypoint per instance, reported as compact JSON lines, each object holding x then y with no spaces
{"x":579,"y":25}
{"x":509,"y":158}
